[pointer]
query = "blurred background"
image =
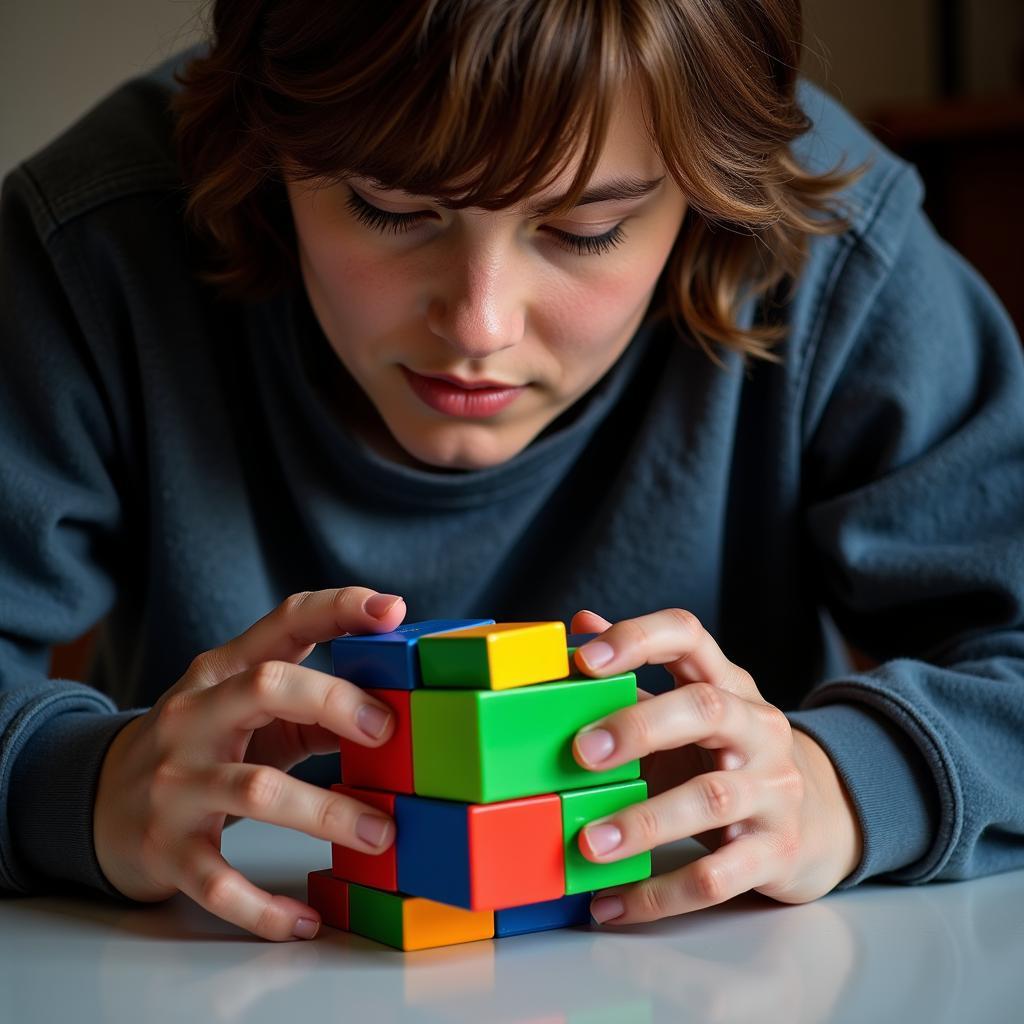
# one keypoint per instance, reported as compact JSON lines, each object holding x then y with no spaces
{"x":939,"y":81}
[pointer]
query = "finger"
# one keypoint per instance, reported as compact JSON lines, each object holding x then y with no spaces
{"x":268,"y":794}
{"x":710,"y":800}
{"x":226,"y":893}
{"x":672,"y":637}
{"x":698,"y":713}
{"x":280,"y":690}
{"x":294,"y":627}
{"x":737,"y":867}
{"x":585,"y":621}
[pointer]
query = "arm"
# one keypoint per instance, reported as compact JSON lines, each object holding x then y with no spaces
{"x":914,"y":471}
{"x":60,"y":519}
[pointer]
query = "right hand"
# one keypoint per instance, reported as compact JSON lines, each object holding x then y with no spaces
{"x":172,"y":776}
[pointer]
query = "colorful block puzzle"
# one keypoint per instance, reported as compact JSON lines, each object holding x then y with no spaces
{"x":495,"y":657}
{"x":411,"y":922}
{"x":479,"y":775}
{"x":486,"y":745}
{"x":481,"y":856}
{"x":389,"y":660}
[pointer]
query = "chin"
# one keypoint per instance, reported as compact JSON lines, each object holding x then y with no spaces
{"x":455,"y":450}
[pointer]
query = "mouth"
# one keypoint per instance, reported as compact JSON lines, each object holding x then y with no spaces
{"x":452,"y":396}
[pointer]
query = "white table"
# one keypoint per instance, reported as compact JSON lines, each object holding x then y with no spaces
{"x":945,"y":952}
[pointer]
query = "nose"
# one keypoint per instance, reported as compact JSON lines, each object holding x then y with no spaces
{"x":475,"y":308}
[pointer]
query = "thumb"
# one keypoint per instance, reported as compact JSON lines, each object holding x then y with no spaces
{"x":294,"y":627}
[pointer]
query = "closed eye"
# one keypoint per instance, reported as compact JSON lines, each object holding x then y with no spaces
{"x":387,"y":222}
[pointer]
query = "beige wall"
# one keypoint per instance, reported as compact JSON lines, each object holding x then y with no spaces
{"x":57,"y":57}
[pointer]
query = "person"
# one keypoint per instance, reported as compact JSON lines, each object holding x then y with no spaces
{"x":597,"y":312}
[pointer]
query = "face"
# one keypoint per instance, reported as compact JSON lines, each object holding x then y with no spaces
{"x":470,"y":330}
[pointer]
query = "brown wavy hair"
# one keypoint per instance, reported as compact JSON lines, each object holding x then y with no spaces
{"x":499,"y":96}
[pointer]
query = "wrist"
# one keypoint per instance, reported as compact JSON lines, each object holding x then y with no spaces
{"x":832,"y":815}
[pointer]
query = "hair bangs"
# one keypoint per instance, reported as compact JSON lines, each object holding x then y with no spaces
{"x":485,"y":106}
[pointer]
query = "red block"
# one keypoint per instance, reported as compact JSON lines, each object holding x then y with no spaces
{"x":512,"y":851}
{"x":329,"y":897}
{"x":388,"y":766}
{"x":378,"y":870}
{"x":481,"y":856}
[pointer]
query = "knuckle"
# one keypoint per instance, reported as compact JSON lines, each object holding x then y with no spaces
{"x":216,"y":891}
{"x":708,"y":702}
{"x":176,"y":705}
{"x":708,"y":884}
{"x":634,"y":727}
{"x":631,"y":632}
{"x":644,"y":823}
{"x":686,"y":621}
{"x":775,"y":722}
{"x":718,"y":797}
{"x":205,"y":665}
{"x":652,"y":900}
{"x":293,"y":602}
{"x":259,"y":789}
{"x":333,"y":816}
{"x":266,"y":678}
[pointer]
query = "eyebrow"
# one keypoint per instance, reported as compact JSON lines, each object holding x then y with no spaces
{"x":615,"y":188}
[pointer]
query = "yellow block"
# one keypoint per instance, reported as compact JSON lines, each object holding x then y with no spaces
{"x":519,"y":653}
{"x":427,"y":923}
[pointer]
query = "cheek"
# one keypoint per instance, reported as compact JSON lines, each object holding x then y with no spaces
{"x":364,"y":295}
{"x":598,"y":311}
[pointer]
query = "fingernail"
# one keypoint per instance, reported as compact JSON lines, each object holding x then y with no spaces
{"x":372,"y":829}
{"x":595,"y":745}
{"x":597,"y":653}
{"x":606,"y":908}
{"x":372,"y":720}
{"x":305,"y":928}
{"x":380,"y":604}
{"x":603,"y":838}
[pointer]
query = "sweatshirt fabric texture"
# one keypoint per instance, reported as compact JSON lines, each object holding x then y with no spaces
{"x":172,"y":468}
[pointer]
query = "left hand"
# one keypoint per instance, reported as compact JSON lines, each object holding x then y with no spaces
{"x":723,"y":765}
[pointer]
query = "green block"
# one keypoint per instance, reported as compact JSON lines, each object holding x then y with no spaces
{"x":375,"y":915}
{"x":480,"y":746}
{"x":579,"y":808}
{"x":454,"y":664}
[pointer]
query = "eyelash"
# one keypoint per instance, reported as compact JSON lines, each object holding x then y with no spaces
{"x":398,"y":223}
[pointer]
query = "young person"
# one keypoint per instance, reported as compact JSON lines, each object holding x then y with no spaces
{"x":378,"y":312}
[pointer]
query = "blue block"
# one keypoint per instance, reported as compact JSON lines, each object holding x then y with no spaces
{"x":433,"y":849}
{"x":388,"y":660}
{"x":539,"y":917}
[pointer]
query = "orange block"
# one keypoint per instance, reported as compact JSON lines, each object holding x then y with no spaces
{"x":428,"y":923}
{"x":410,"y":922}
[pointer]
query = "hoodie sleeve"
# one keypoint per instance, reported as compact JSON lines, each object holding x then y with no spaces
{"x":60,"y":523}
{"x":914,"y":476}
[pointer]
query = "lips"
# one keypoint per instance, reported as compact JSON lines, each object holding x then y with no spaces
{"x":468,"y":385}
{"x":451,"y":396}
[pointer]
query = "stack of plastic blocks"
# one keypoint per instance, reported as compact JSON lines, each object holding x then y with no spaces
{"x":479,"y":776}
